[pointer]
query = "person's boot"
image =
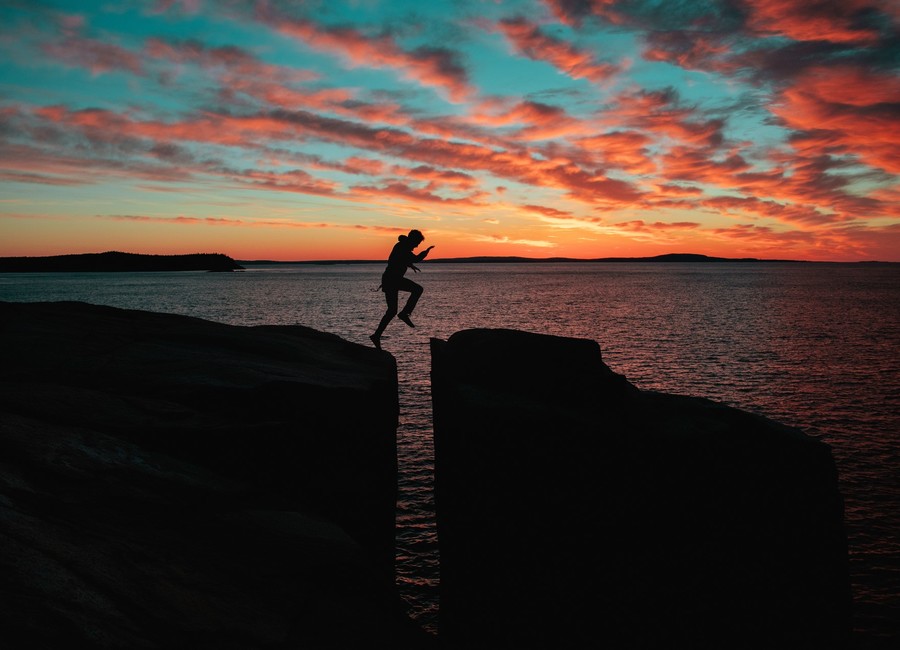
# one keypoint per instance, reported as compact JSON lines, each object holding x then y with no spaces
{"x":405,"y":318}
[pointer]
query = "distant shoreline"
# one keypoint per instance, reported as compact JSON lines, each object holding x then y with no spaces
{"x":667,"y":258}
{"x":114,"y":261}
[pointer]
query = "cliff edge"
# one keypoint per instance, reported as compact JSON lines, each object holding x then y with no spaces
{"x":576,"y":511}
{"x":169,"y":482}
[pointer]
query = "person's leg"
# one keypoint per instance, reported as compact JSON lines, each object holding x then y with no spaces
{"x":390,"y":297}
{"x":415,"y":292}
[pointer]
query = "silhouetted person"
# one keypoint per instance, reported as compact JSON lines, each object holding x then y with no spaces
{"x":392,"y":281}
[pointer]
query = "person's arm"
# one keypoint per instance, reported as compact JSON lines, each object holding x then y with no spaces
{"x":421,"y":256}
{"x":418,"y":258}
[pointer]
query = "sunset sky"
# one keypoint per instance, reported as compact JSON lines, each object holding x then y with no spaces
{"x":302,"y":130}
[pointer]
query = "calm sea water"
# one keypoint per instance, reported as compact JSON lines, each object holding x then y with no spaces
{"x":812,"y":345}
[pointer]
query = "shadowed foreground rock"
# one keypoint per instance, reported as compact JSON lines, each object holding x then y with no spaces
{"x":167,"y":482}
{"x":575,"y":511}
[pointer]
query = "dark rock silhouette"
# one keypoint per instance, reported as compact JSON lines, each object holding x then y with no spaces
{"x":170,"y":482}
{"x":576,"y":511}
{"x":167,"y":482}
{"x":115,"y":261}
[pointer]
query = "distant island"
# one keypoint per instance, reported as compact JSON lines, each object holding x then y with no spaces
{"x":115,"y":261}
{"x":132,"y":262}
{"x":512,"y":259}
{"x":667,"y":258}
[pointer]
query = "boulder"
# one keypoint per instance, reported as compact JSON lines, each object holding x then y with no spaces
{"x":575,"y":510}
{"x":170,"y":482}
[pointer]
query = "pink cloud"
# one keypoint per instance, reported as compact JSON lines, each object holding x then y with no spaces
{"x":404,"y":191}
{"x":627,"y":150}
{"x":437,"y":177}
{"x":230,"y":59}
{"x":671,"y":189}
{"x":825,"y":244}
{"x":96,"y":56}
{"x":661,"y":114}
{"x":573,"y":12}
{"x":814,"y":20}
{"x":295,"y":180}
{"x":368,"y":166}
{"x":273,"y":126}
{"x":430,"y":66}
{"x":845,"y":109}
{"x":535,"y":121}
{"x":784,"y":212}
{"x":692,"y":51}
{"x":528,"y":40}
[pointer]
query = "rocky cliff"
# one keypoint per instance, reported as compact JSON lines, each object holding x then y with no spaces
{"x":576,"y":511}
{"x":167,"y":482}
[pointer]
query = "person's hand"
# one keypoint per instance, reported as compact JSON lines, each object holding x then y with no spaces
{"x":429,"y":248}
{"x":414,"y":267}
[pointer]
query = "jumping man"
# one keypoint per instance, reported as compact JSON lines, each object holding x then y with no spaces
{"x":392,"y":281}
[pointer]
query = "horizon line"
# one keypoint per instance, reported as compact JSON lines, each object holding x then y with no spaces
{"x":499,"y":259}
{"x":511,"y":259}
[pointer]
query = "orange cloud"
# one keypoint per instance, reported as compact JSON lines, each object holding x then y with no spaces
{"x":528,"y":40}
{"x":639,"y":225}
{"x":359,"y":165}
{"x":295,"y":180}
{"x":437,"y":177}
{"x":785,"y":212}
{"x":813,"y":20}
{"x":671,"y":189}
{"x":548,"y":212}
{"x":430,"y":66}
{"x":844,"y":109}
{"x":405,"y":192}
{"x":627,"y":150}
{"x":853,"y":242}
{"x":573,"y":12}
{"x":538,"y":121}
{"x":690,"y":50}
{"x":142,"y":136}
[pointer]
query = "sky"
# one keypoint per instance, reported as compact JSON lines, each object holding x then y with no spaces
{"x":322,"y":130}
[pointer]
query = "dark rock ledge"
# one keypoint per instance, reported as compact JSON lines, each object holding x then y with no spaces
{"x":576,"y":511}
{"x":168,"y":482}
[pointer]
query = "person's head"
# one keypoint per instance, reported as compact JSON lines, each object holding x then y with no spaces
{"x":415,"y":237}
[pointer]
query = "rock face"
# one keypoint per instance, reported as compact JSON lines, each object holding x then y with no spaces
{"x":576,"y":511}
{"x":168,"y":482}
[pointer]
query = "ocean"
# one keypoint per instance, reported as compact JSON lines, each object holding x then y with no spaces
{"x":813,"y":345}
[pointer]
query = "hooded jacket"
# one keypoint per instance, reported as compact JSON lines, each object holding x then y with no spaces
{"x":400,"y":259}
